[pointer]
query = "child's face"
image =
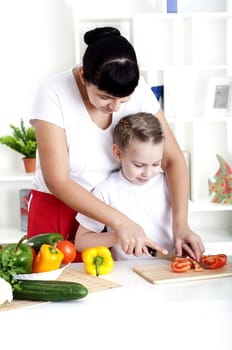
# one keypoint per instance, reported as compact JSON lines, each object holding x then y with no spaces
{"x":141,"y":161}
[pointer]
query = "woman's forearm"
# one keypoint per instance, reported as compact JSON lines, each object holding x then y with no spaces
{"x":176,"y":171}
{"x":81,"y":200}
{"x":177,"y":179}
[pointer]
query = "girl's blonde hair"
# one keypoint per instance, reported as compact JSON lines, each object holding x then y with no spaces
{"x":144,"y":126}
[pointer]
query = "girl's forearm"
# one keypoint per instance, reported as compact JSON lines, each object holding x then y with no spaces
{"x":85,"y":239}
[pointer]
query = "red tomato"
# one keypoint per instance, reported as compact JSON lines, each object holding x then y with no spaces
{"x":68,"y":249}
{"x":222,"y":258}
{"x":181,"y":264}
{"x":195,"y":265}
{"x":33,"y":252}
{"x":214,"y":261}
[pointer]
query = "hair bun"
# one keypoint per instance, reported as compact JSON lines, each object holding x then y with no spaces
{"x":98,"y":33}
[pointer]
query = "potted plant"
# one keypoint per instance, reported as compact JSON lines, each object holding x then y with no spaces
{"x":22,"y":140}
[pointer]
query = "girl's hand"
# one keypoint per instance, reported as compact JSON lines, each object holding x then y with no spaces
{"x":188,"y":243}
{"x":133,"y":239}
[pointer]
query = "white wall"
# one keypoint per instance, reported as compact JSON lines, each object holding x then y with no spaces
{"x":37,"y":39}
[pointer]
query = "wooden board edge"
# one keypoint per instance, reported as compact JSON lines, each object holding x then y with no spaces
{"x":176,"y":279}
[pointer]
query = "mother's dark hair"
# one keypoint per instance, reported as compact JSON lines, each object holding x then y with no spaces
{"x":110,"y":62}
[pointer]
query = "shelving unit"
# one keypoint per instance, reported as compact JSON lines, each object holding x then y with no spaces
{"x":11,"y":182}
{"x":182,"y":51}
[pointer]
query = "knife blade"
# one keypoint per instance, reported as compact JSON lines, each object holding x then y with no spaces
{"x":157,"y":254}
{"x":170,"y":257}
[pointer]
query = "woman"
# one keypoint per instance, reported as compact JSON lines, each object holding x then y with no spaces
{"x":73,"y":116}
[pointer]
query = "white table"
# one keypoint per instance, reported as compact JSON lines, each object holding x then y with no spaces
{"x":138,"y":315}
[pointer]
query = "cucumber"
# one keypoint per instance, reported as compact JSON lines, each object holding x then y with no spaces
{"x":44,"y":238}
{"x":49,"y":290}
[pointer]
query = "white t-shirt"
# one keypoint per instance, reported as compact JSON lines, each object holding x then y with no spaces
{"x":58,"y":101}
{"x":148,"y":205}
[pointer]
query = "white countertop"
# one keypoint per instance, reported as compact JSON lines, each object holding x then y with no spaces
{"x":137,"y":315}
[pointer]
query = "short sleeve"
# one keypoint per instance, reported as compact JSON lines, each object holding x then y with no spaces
{"x":46,"y":106}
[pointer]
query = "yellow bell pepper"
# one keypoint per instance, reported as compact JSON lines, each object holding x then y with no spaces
{"x":49,"y":258}
{"x":97,"y":260}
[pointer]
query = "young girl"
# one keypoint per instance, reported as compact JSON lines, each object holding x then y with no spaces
{"x":139,"y":189}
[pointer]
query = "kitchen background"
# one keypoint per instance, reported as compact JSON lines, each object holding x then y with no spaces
{"x":42,"y":37}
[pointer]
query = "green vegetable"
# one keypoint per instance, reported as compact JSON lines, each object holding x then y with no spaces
{"x":9,"y":268}
{"x":20,"y":254}
{"x":49,"y":291}
{"x":44,"y":238}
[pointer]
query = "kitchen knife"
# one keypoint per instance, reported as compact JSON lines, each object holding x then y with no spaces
{"x":157,"y":254}
{"x":170,"y":257}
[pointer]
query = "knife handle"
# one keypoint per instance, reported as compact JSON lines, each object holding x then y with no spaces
{"x":152,"y":251}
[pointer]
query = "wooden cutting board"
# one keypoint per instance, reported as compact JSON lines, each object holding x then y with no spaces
{"x":161,"y":274}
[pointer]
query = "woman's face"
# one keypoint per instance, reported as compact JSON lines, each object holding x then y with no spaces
{"x":102,"y":101}
{"x":140,"y":161}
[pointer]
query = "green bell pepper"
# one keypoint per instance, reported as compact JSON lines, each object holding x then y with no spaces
{"x":20,"y":254}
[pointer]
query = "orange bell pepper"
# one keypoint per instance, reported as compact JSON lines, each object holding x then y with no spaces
{"x":48,"y":258}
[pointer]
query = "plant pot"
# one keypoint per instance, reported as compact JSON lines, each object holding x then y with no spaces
{"x":29,"y":164}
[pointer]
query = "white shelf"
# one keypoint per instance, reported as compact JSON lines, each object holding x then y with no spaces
{"x":14,"y":176}
{"x":217,"y":241}
{"x":205,"y":205}
{"x":10,"y":235}
{"x":200,"y":119}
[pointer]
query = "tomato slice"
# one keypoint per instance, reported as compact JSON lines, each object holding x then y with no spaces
{"x":223,"y":258}
{"x":210,"y":260}
{"x":180,"y":264}
{"x":195,"y":265}
{"x":214,"y":261}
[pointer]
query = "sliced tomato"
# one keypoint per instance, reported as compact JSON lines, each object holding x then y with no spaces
{"x":210,"y":260}
{"x":223,"y":258}
{"x":195,"y":265}
{"x":181,"y":264}
{"x":214,"y":261}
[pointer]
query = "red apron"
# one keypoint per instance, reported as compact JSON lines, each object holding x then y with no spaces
{"x":49,"y":214}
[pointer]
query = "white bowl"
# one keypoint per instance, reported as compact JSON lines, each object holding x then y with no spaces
{"x":45,"y":276}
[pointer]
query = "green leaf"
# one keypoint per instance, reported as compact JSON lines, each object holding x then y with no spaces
{"x":22,"y":140}
{"x":8,"y":269}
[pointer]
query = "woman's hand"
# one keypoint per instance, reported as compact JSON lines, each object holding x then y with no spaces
{"x":188,"y":242}
{"x":133,"y":239}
